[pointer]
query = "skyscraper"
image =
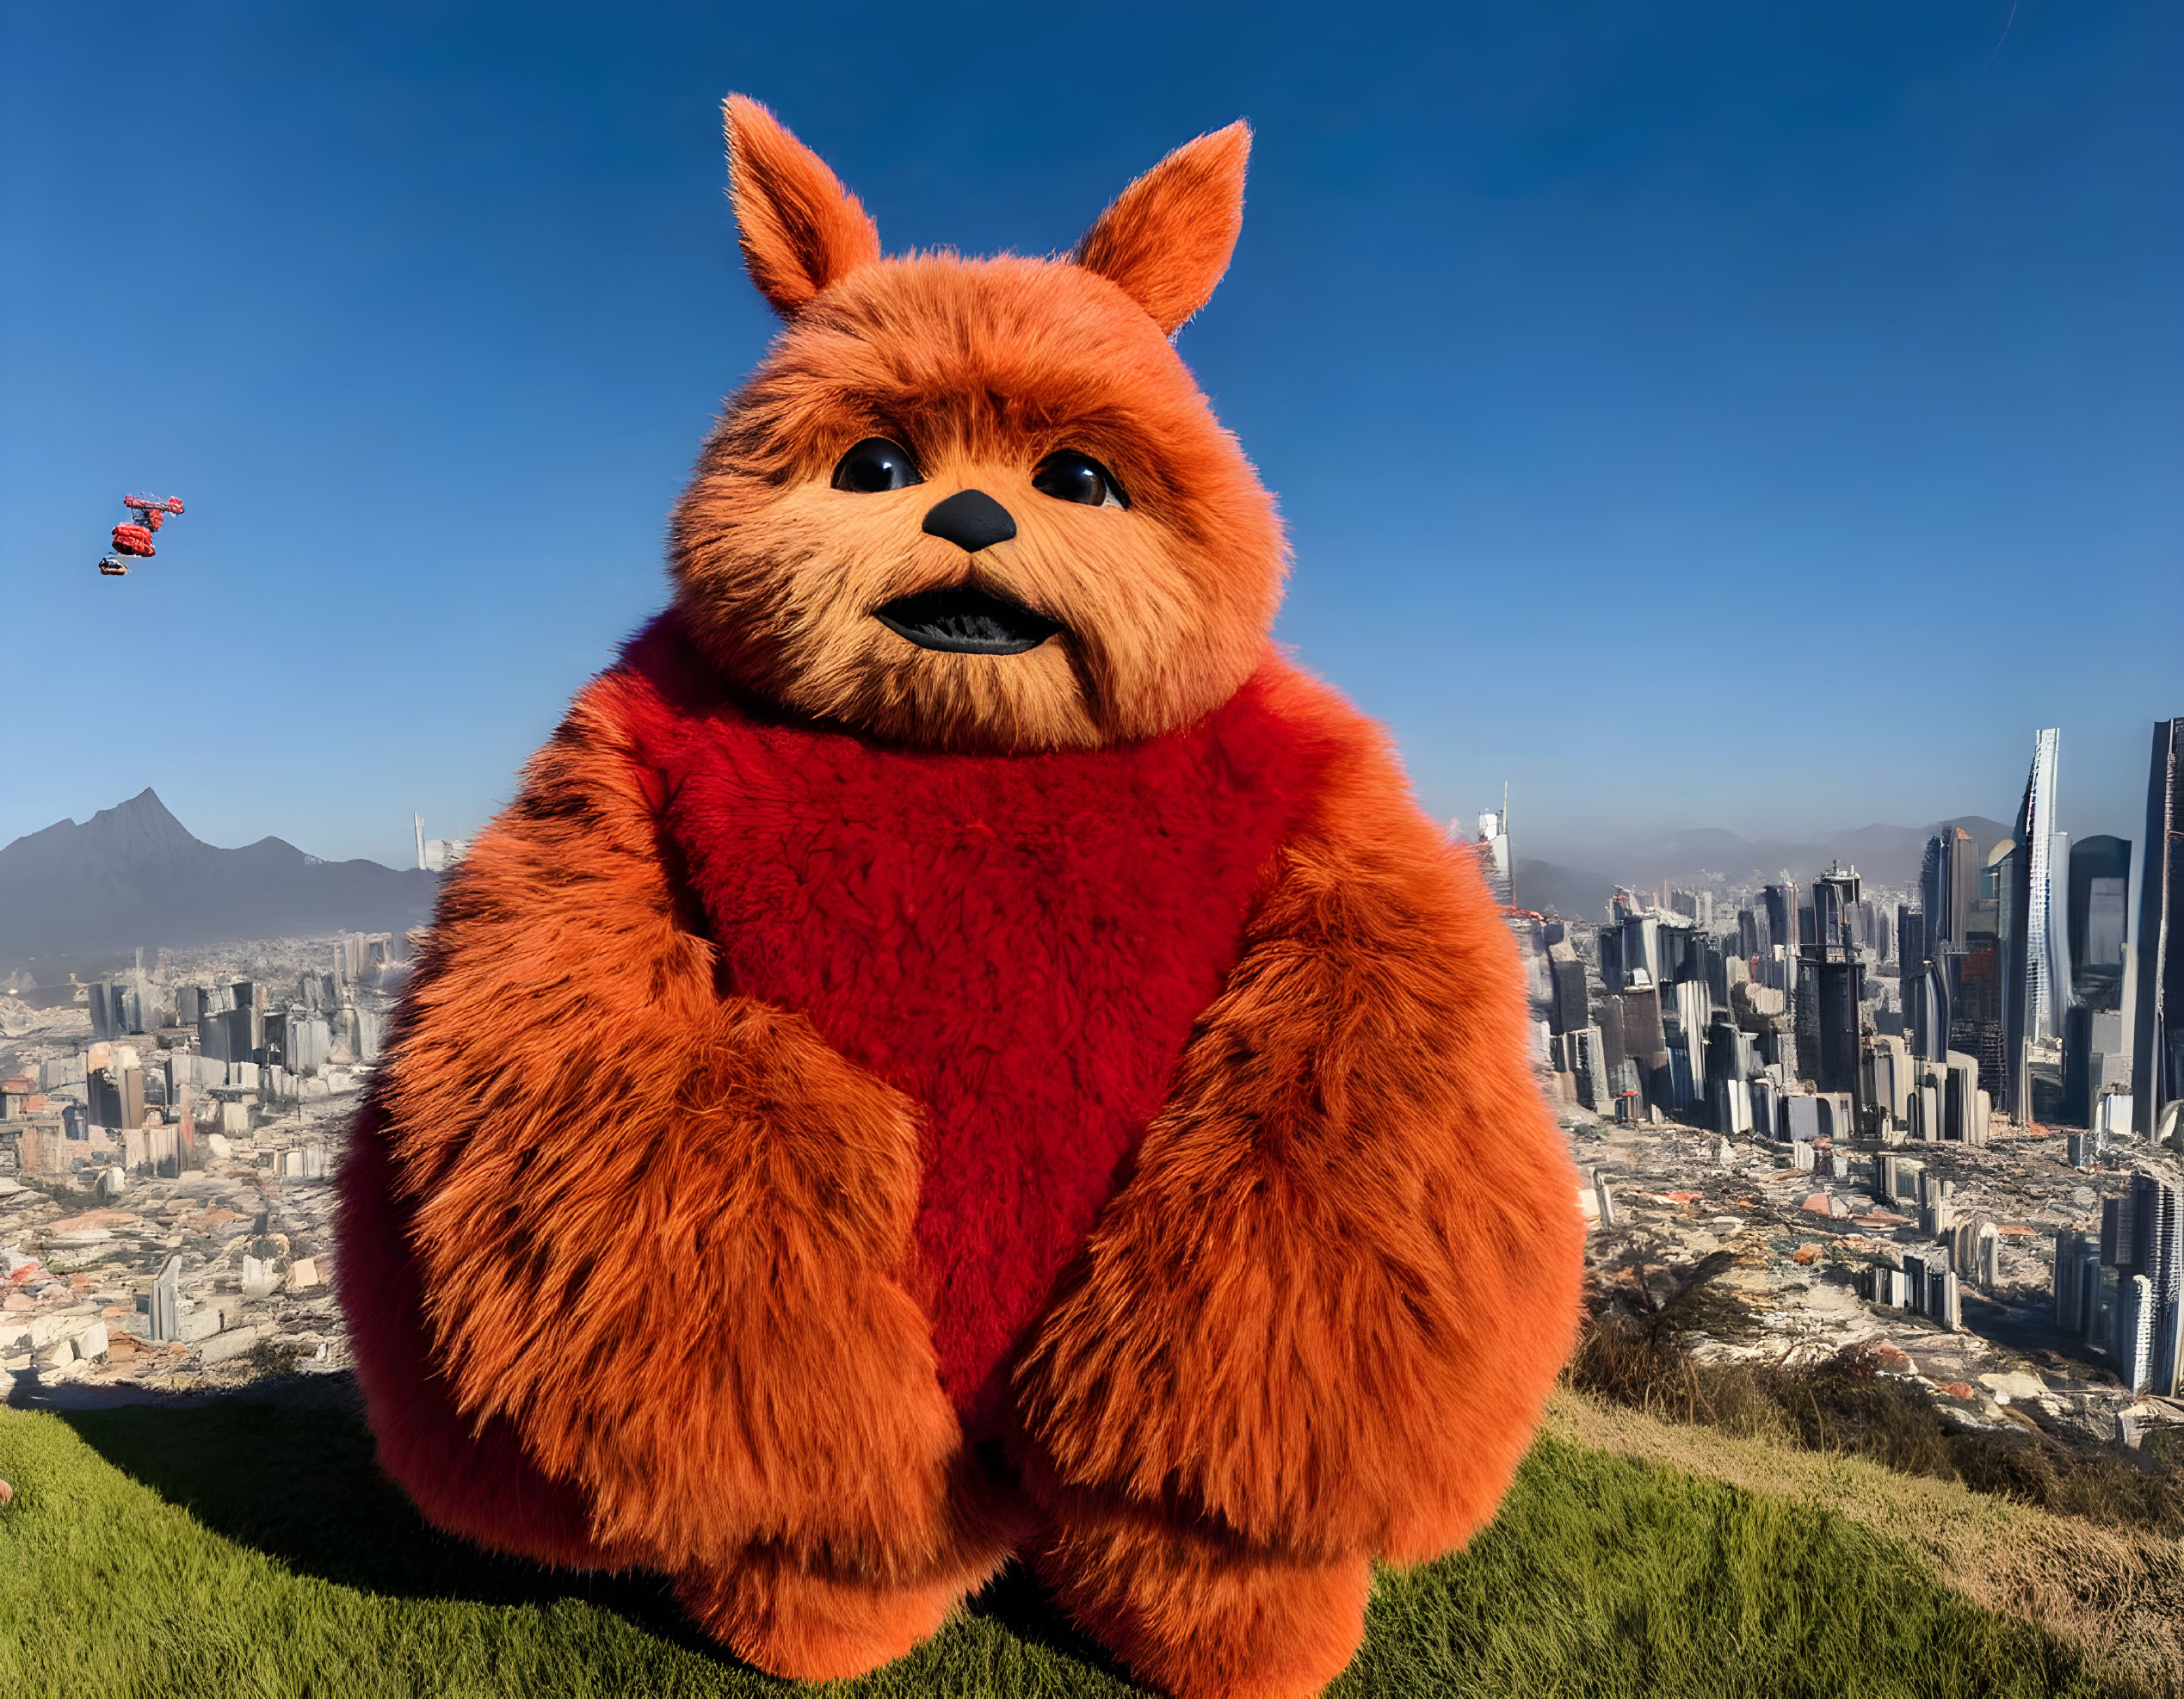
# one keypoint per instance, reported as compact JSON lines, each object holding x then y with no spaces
{"x":2039,"y":958}
{"x":2157,"y":1048}
{"x":1609,"y":944}
{"x":1568,"y":1007}
{"x":1948,"y":883}
{"x":2100,"y":898}
{"x":2093,"y":1059}
{"x":2157,"y":1252}
{"x":1782,"y":916}
{"x":1831,"y":982}
{"x":1963,"y":891}
{"x":1925,"y":1011}
{"x":1693,"y":1007}
{"x":2014,"y":888}
{"x":1921,"y":983}
{"x":2135,"y":1332}
{"x":1978,"y":979}
{"x":1642,"y":947}
{"x":1494,"y":853}
{"x":2094,"y":1027}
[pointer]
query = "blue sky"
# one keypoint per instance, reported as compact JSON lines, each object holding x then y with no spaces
{"x":1760,"y":417}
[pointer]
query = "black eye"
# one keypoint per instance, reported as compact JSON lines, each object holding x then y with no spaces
{"x":1071,"y":477}
{"x":876,"y":464}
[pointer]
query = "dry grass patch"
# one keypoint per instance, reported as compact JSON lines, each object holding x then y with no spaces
{"x":1633,"y":1353}
{"x":2118,"y":1591}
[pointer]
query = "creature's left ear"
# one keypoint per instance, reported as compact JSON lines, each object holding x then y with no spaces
{"x":800,"y":229}
{"x":1168,"y":237}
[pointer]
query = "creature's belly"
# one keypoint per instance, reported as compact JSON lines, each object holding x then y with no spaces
{"x":1020,"y":944}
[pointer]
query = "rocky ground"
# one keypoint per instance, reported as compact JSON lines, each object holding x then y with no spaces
{"x":1778,"y":1250}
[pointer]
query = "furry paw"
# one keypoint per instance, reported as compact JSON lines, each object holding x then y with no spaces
{"x":1203,"y":1616}
{"x":786,"y":1621}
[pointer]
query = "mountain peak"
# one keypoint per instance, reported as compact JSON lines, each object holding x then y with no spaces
{"x":143,"y":828}
{"x":145,"y":804}
{"x":134,"y":874}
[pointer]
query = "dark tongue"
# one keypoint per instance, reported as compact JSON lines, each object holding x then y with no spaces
{"x":966,"y":622}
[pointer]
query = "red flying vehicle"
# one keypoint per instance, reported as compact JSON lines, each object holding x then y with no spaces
{"x":136,"y":539}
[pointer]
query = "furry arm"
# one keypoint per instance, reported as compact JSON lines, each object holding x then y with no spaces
{"x":661,"y":1231}
{"x":1329,"y":1306}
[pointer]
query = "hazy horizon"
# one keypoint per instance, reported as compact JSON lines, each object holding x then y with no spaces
{"x":1753,"y":419}
{"x":1589,"y":856}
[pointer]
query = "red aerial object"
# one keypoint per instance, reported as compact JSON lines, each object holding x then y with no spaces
{"x":135,"y":539}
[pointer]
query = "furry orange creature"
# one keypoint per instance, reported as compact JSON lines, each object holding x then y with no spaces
{"x":959,"y":1050}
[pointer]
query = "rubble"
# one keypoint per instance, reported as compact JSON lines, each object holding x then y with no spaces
{"x":219,"y":1243}
{"x":1791,"y":1254}
{"x":117,"y":1282}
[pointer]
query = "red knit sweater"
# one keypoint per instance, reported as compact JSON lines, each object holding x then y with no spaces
{"x":1021,"y":943}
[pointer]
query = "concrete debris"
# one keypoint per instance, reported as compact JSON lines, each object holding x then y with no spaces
{"x":1774,"y":1269}
{"x":167,"y":1275}
{"x":2013,"y":1383}
{"x":199,"y":1323}
{"x":226,"y":1347}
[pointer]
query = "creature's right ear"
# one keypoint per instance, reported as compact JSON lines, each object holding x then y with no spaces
{"x":800,"y":229}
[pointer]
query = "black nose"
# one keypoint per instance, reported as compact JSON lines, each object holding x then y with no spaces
{"x":971,"y":519}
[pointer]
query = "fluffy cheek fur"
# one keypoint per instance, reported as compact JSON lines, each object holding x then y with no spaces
{"x":1148,"y":642}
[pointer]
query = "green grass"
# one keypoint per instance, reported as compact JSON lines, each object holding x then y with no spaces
{"x":248,"y":1549}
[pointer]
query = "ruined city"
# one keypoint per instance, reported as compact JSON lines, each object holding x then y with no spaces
{"x":167,"y":1154}
{"x":1773,"y":1108}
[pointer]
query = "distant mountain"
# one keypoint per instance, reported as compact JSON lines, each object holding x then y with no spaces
{"x":1883,"y":855}
{"x":134,"y":875}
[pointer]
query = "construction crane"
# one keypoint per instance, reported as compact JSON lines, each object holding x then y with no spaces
{"x":133,"y":537}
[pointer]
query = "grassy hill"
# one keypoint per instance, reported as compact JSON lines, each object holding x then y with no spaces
{"x":252,"y":1548}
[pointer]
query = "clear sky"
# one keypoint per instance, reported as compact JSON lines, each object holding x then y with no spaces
{"x":1749,"y":416}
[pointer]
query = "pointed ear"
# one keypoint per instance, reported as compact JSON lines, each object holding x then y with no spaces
{"x":1168,"y":237}
{"x":800,"y":229}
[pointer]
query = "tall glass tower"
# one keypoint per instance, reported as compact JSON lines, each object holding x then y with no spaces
{"x":2157,"y":1064}
{"x":2046,"y":945}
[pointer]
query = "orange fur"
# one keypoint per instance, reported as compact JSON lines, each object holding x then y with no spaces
{"x":1325,"y":1312}
{"x":1167,"y":239}
{"x":1197,"y":1612}
{"x":779,"y":1616}
{"x":664,"y":1232}
{"x":800,"y":230}
{"x":635,"y":1199}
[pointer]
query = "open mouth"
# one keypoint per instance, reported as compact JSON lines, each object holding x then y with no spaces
{"x":965,"y":621}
